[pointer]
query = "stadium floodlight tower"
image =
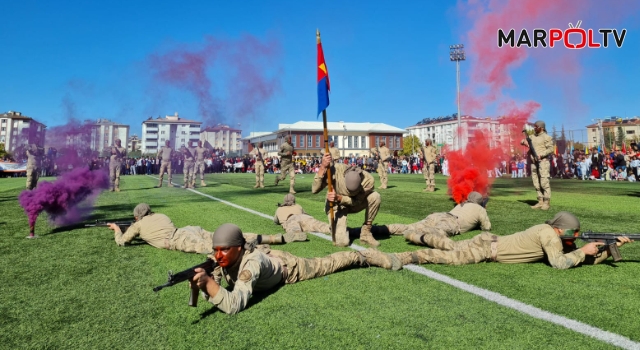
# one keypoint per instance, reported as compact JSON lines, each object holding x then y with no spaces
{"x":456,"y":53}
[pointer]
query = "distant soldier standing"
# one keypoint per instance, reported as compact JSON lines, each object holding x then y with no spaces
{"x":34,"y":161}
{"x":286,"y":164}
{"x":335,"y":153}
{"x":295,"y":221}
{"x":428,"y":154}
{"x":118,"y":153}
{"x":200,"y":154}
{"x":165,"y":153}
{"x":258,"y":153}
{"x":543,"y":146}
{"x":352,"y":193}
{"x":189,"y":167}
{"x":383,"y":155}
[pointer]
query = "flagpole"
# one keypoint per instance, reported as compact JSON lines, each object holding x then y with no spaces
{"x":326,"y":151}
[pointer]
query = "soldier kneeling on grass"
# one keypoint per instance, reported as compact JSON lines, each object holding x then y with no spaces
{"x":248,"y":268}
{"x":159,"y":231}
{"x":538,"y":243}
{"x":295,"y":221}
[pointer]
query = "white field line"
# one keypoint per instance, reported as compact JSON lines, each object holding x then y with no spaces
{"x":577,"y":326}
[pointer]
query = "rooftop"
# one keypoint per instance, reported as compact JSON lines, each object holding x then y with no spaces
{"x":220,"y":127}
{"x":340,"y":127}
{"x":616,"y":121}
{"x":171,"y":119}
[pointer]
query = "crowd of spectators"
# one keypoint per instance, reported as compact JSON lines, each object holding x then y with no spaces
{"x":594,"y":165}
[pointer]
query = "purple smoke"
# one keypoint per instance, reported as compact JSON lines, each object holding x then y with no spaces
{"x":68,"y":199}
{"x":72,"y":143}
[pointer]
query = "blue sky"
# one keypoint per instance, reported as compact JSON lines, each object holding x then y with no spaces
{"x":388,"y":61}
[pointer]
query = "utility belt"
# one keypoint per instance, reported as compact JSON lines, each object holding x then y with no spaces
{"x":167,"y":240}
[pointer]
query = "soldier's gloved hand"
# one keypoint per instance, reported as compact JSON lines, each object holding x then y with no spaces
{"x":623,"y":240}
{"x":591,"y":248}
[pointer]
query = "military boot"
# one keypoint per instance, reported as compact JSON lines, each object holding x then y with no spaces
{"x":111,"y":189}
{"x":202,"y":183}
{"x":184,"y":186}
{"x":396,"y":229}
{"x":261,"y":184}
{"x":295,"y":237}
{"x":291,"y":190}
{"x":271,"y":239}
{"x":375,"y":257}
{"x":257,"y":185}
{"x":366,"y":236}
{"x":159,"y":184}
{"x":117,"y":189}
{"x":407,"y":258}
{"x":277,"y":181}
{"x":170,"y":184}
{"x":537,"y":206}
{"x":545,"y":204}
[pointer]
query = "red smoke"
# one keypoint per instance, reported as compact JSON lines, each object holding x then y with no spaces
{"x":244,"y":71}
{"x":468,"y":168}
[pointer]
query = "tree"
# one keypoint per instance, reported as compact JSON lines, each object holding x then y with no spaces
{"x":620,"y":137}
{"x":608,"y":138}
{"x":3,"y":153}
{"x":563,"y":137}
{"x":411,"y":145}
{"x":554,"y":134}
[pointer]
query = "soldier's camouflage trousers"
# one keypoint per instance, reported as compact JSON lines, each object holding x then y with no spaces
{"x":382,"y":172}
{"x":189,"y":172}
{"x":470,"y":251}
{"x":371,"y":205}
{"x":436,"y":223}
{"x":288,"y":168}
{"x":300,"y":269}
{"x":305,"y":223}
{"x":114,"y":174}
{"x":195,"y":239}
{"x":199,"y":169}
{"x":33,"y":174}
{"x":259,"y":167}
{"x":165,"y":166}
{"x":542,"y":183}
{"x":428,"y":172}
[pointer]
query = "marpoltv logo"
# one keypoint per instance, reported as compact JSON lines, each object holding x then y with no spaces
{"x":572,"y":37}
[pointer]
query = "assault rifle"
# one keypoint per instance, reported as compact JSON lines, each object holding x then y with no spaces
{"x":187,"y":151}
{"x":259,"y":153}
{"x":187,"y":275}
{"x":609,"y":240}
{"x":106,"y":223}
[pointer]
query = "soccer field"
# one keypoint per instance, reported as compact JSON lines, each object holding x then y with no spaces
{"x":74,"y":288}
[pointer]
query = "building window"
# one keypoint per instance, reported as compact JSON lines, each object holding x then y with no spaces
{"x":184,"y":132}
{"x":3,"y":128}
{"x":301,"y":140}
{"x":309,"y":141}
{"x":629,"y":132}
{"x":162,"y":139}
{"x":317,"y":140}
{"x":363,"y":143}
{"x":397,"y":141}
{"x":377,"y":140}
{"x":293,"y":140}
{"x":162,"y":132}
{"x":355,"y":141}
{"x":349,"y":141}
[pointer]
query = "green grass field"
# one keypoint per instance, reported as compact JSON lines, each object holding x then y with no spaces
{"x":74,"y":288}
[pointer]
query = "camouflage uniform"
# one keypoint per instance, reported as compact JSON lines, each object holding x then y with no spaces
{"x":263,"y":269}
{"x":167,"y":153}
{"x":200,"y":153}
{"x":335,"y":153}
{"x":428,"y":154}
{"x":543,"y":144}
{"x":365,"y":199}
{"x":115,"y":166}
{"x":159,"y":231}
{"x":287,"y":166}
{"x":294,"y":220}
{"x":189,"y":168}
{"x":463,"y":218}
{"x":259,"y":166}
{"x":538,"y":243}
{"x":34,"y":160}
{"x":383,"y":156}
